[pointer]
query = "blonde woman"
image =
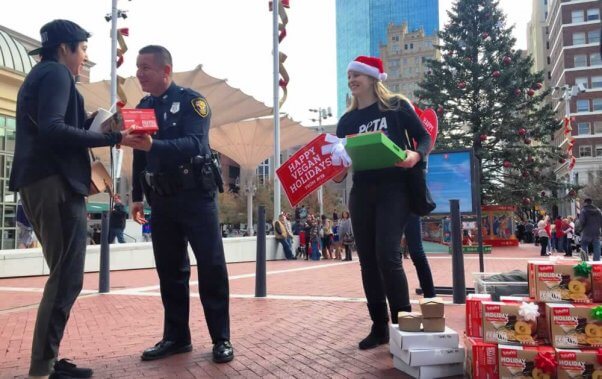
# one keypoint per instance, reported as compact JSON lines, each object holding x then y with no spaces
{"x":379,"y":201}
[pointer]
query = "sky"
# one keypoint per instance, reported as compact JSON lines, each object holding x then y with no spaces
{"x":231,"y":39}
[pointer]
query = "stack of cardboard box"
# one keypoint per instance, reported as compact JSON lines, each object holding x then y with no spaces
{"x":422,"y":346}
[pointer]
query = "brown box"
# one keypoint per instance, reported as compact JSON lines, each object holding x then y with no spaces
{"x":578,"y":364}
{"x":432,"y":307}
{"x":542,"y":324}
{"x":409,"y":321}
{"x":571,"y":326}
{"x":519,"y":361}
{"x":502,"y":324}
{"x":558,"y":283}
{"x":433,"y":324}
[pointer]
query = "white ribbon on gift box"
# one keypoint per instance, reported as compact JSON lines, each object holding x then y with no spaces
{"x":336,"y":148}
{"x":528,"y":311}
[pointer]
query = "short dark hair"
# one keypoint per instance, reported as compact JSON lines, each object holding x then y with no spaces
{"x":588,"y":201}
{"x":52,"y":53}
{"x":162,"y":55}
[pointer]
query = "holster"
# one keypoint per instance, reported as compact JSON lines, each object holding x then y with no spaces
{"x":146,"y":188}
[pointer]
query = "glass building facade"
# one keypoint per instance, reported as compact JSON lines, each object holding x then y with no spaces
{"x":362,"y":28}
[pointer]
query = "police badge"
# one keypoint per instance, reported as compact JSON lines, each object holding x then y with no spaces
{"x":175,"y":107}
{"x":200,"y":106}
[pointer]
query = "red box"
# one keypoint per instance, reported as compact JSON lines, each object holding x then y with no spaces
{"x":142,"y":120}
{"x":596,"y":281}
{"x":519,"y":361}
{"x":481,"y":359}
{"x":542,"y":323}
{"x":474,"y":314}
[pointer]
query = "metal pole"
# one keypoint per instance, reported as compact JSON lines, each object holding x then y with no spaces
{"x":477,"y":190}
{"x":275,"y":42}
{"x":321,"y":189}
{"x":103,"y":279}
{"x":260,"y":271}
{"x":459,"y":283}
{"x":104,"y":271}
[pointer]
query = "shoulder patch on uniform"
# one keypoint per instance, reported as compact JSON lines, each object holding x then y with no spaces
{"x":200,"y":106}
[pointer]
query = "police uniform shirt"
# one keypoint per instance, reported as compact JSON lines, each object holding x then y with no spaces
{"x":393,"y":124}
{"x":183,"y":117}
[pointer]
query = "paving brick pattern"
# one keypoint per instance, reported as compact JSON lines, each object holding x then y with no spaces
{"x":309,"y":328}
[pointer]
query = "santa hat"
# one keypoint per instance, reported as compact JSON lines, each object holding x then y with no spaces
{"x":370,"y":66}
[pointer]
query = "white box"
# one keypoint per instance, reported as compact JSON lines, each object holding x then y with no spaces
{"x":421,"y":357}
{"x":429,"y":372}
{"x":421,"y":340}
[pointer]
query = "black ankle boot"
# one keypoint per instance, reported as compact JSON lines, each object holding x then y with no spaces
{"x":379,"y":335}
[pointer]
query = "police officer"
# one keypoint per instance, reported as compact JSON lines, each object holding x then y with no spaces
{"x":183,"y":205}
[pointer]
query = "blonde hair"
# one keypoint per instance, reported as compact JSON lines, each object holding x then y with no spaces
{"x":387,"y":100}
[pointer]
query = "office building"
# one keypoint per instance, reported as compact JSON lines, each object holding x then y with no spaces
{"x":362,"y":29}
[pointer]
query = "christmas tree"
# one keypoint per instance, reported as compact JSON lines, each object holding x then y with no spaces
{"x":488,"y":99}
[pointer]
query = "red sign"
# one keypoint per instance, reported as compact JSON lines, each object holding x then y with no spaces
{"x":430,"y":122}
{"x":307,"y":170}
{"x":142,"y":120}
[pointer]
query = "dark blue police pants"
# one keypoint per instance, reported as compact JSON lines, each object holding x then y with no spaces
{"x":58,"y":217}
{"x":190,"y":217}
{"x":379,"y":213}
{"x":413,"y":235}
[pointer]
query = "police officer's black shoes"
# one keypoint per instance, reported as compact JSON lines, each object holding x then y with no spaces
{"x":379,"y":335}
{"x":164,"y":349}
{"x":65,"y":369}
{"x":223,"y":352}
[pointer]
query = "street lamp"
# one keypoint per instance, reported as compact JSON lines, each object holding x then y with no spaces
{"x":322,"y":114}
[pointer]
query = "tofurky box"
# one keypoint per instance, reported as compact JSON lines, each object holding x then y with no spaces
{"x":142,"y":121}
{"x":502,"y":323}
{"x":573,"y":325}
{"x":578,"y":364}
{"x":563,"y":281}
{"x":596,"y":281}
{"x":519,"y":362}
{"x":371,"y":151}
{"x":474,"y":314}
{"x":542,"y":325}
{"x":481,"y":359}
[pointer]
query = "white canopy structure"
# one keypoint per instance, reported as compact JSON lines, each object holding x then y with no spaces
{"x":251,"y":142}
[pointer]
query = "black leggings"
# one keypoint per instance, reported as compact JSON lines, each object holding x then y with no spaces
{"x":543,"y":241}
{"x":379,"y":212}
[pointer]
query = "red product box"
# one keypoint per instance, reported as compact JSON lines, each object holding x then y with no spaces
{"x":142,"y":120}
{"x":519,"y":361}
{"x":578,"y":363}
{"x":474,"y":314}
{"x":481,"y":359}
{"x":596,"y":281}
{"x":542,"y":324}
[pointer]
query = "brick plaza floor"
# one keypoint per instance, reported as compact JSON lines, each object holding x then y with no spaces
{"x":308,"y":326}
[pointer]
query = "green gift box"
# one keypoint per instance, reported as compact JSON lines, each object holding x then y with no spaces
{"x":371,"y":151}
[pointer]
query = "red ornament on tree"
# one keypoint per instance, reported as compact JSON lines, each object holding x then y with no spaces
{"x":507,"y":60}
{"x":440,"y":109}
{"x":507,"y":164}
{"x":518,"y":92}
{"x":462,"y":85}
{"x":526,"y":201}
{"x":483,"y":137}
{"x":530,"y":92}
{"x":484,"y":35}
{"x":522,"y":131}
{"x":530,"y":160}
{"x":537,"y":86}
{"x":543,"y":193}
{"x":468,"y":59}
{"x":525,"y":174}
{"x":496,"y":74}
{"x":561,"y":160}
{"x":527,"y":141}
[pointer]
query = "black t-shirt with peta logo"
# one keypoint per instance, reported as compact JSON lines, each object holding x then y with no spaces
{"x":393,"y":124}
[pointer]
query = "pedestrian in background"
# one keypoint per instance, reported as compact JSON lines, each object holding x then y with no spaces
{"x":590,"y":222}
